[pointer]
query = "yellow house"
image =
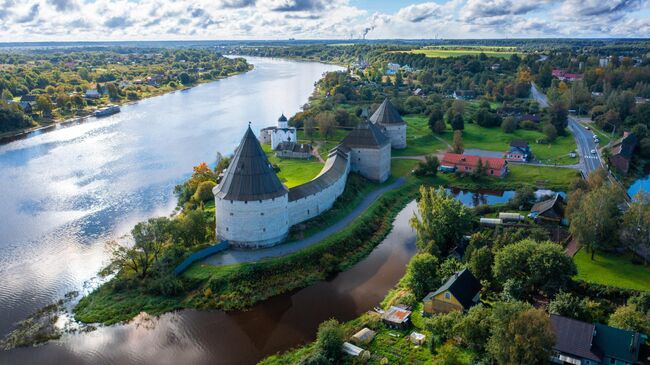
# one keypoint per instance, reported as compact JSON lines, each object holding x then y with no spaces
{"x":459,"y":293}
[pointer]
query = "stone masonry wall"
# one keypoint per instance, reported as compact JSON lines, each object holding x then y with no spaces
{"x":252,"y":224}
{"x":373,"y":164}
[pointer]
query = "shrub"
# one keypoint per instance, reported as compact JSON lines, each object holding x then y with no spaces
{"x":204,"y":192}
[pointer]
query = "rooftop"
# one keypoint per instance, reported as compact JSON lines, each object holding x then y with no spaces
{"x":463,"y":285}
{"x":386,"y":114}
{"x":250,"y":175}
{"x":366,"y":135}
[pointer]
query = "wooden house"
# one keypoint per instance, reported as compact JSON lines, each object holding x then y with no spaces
{"x":459,"y":293}
{"x":550,"y":211}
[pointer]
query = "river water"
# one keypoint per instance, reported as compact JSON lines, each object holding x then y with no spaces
{"x":66,"y":192}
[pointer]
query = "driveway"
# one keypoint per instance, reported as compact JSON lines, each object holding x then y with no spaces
{"x":233,"y":256}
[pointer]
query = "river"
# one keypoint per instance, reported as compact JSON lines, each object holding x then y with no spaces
{"x":68,"y":191}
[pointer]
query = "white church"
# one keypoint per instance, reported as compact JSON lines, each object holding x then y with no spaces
{"x":275,"y":135}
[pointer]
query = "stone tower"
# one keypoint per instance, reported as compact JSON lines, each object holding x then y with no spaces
{"x":388,"y":118}
{"x":369,"y":151}
{"x":250,"y":200}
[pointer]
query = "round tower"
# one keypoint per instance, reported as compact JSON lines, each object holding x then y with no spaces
{"x":388,"y":118}
{"x":250,"y":201}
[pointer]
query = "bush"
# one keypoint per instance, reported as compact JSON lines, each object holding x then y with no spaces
{"x":528,"y":124}
{"x":508,"y":125}
{"x":204,"y":192}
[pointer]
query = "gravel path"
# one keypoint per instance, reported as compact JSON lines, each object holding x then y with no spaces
{"x":234,"y":256}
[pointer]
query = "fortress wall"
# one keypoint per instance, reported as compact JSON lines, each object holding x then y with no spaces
{"x":265,"y":221}
{"x":397,"y":135}
{"x":315,"y":197}
{"x":373,"y":164}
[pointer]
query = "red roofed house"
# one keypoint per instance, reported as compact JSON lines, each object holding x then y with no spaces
{"x":468,"y":163}
{"x":563,"y":75}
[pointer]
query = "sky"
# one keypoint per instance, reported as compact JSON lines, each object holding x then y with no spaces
{"x":101,"y":20}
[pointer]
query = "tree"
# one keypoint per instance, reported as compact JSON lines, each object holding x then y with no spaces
{"x":310,"y":129}
{"x":457,"y":143}
{"x":480,"y":264}
{"x":150,"y":238}
{"x":428,"y":167}
{"x":524,"y":198}
{"x":113,"y":92}
{"x":596,"y":220}
{"x":342,"y":118}
{"x":545,"y":75}
{"x":6,"y":95}
{"x":474,"y":328}
{"x":442,"y":219}
{"x":457,"y":122}
{"x":44,"y":105}
{"x":559,"y":114}
{"x":532,"y":267}
{"x":326,"y":124}
{"x":508,"y":125}
{"x":569,"y":305}
{"x":185,"y":78}
{"x":422,"y":274}
{"x":330,"y":339}
{"x":520,"y":335}
{"x":635,"y":230}
{"x":628,"y":317}
{"x":435,"y":117}
{"x":448,"y":354}
{"x":550,"y":132}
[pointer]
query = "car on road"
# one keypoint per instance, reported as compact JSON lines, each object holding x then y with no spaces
{"x":587,"y":128}
{"x":593,"y":152}
{"x":572,"y":155}
{"x":596,"y":140}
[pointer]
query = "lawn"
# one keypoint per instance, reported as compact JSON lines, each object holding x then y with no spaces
{"x":540,"y":176}
{"x":294,"y":172}
{"x":456,"y":51}
{"x":612,"y":270}
{"x":419,"y":138}
{"x":494,"y":139}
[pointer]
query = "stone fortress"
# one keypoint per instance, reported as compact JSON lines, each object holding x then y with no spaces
{"x":254,"y":209}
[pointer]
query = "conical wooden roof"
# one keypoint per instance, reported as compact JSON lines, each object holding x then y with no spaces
{"x":250,"y":175}
{"x":386,"y":114}
{"x":366,"y":135}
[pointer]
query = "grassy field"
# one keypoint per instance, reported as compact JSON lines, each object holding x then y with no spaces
{"x":518,"y":176}
{"x":612,"y":270}
{"x":294,"y":172}
{"x":493,"y":139}
{"x":456,"y":51}
{"x":419,"y":138}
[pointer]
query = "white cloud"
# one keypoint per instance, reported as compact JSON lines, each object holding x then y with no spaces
{"x":273,"y":19}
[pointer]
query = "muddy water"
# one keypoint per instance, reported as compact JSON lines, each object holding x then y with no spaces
{"x":215,"y":337}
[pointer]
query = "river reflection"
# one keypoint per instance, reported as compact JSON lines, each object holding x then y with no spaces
{"x":67,"y":191}
{"x":215,"y":337}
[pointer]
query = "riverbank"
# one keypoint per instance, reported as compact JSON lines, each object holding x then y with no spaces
{"x":87,"y":112}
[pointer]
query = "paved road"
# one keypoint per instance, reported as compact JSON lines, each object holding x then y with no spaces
{"x":585,"y":141}
{"x":584,"y":138}
{"x":539,"y":96}
{"x":233,"y":256}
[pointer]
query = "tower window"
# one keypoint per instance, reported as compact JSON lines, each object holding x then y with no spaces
{"x":263,"y":229}
{"x":231,"y":213}
{"x":227,"y":229}
{"x":262,"y":213}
